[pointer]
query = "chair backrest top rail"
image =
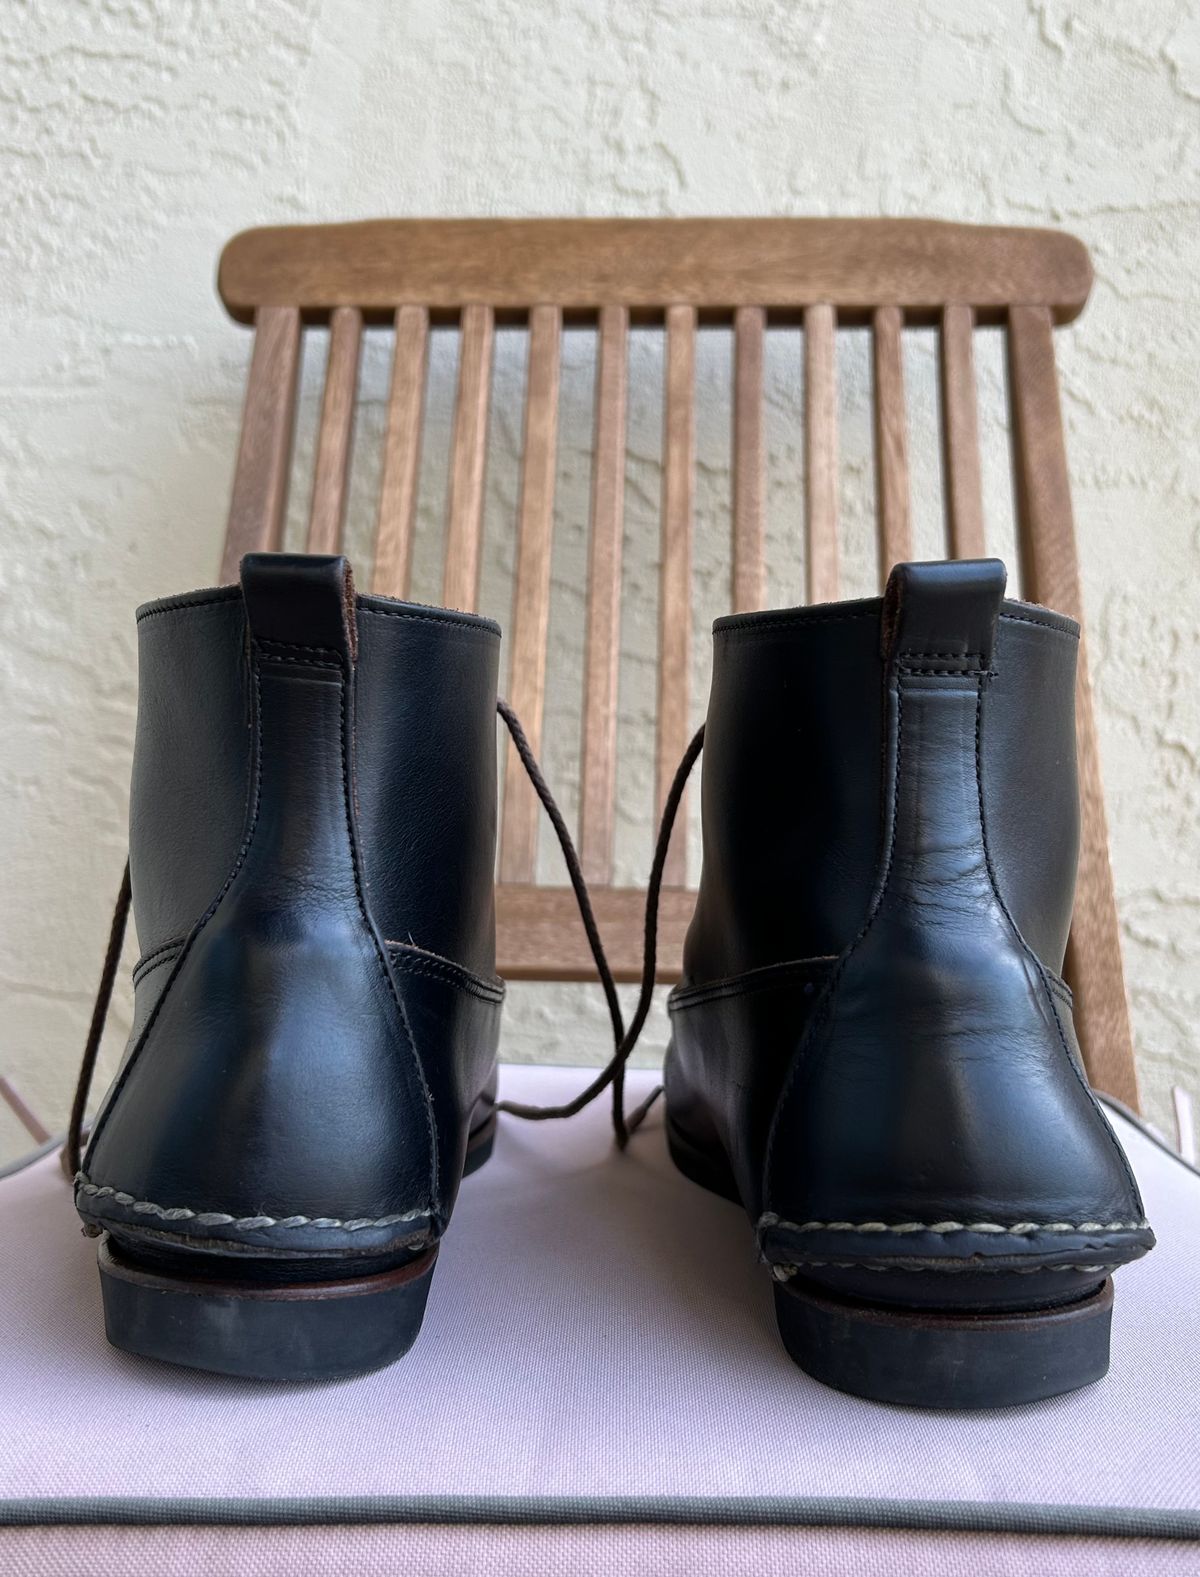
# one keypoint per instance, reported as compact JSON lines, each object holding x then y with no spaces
{"x":647,"y":265}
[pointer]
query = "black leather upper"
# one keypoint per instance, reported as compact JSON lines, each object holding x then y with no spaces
{"x":794,"y":744}
{"x":425,"y":710}
{"x":890,"y":834}
{"x":312,"y":837}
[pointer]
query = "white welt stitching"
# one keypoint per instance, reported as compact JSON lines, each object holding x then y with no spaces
{"x":218,"y":1218}
{"x":1017,"y":1229}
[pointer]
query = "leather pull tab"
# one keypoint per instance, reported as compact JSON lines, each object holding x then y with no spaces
{"x":942,"y":616}
{"x":301,"y":599}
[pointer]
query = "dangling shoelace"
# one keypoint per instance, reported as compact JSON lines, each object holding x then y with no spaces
{"x":624,"y":1039}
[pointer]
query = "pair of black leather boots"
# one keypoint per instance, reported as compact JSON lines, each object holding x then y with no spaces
{"x":872,"y":1049}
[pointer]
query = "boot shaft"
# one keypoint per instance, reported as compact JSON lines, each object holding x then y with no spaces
{"x":796,"y":775}
{"x":423,"y":727}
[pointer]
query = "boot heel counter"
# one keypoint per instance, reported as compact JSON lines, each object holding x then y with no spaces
{"x":939,"y":1082}
{"x":275,"y":1092}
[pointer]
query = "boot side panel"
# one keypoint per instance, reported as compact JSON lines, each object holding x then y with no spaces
{"x":732,"y":1044}
{"x":1029,"y":775}
{"x":426,"y":760}
{"x":791,"y":790}
{"x":192,"y":760}
{"x":454,"y":1020}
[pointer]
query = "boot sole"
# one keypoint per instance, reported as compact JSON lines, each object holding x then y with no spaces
{"x":325,"y":1330}
{"x":314,"y":1331}
{"x":925,"y":1357}
{"x":949,"y":1361}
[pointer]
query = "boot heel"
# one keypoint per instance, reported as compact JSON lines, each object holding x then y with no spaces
{"x":960,"y":1360}
{"x":311,"y":1331}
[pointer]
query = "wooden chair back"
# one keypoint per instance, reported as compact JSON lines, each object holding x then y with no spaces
{"x":822,"y":274}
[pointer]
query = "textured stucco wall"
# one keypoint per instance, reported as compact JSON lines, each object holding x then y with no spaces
{"x":135,"y":135}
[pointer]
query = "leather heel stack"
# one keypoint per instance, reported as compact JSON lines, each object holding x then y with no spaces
{"x":315,"y":1330}
{"x":943,"y":1358}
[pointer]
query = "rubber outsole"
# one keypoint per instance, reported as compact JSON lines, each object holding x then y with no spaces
{"x":312,"y":1331}
{"x":938,"y":1360}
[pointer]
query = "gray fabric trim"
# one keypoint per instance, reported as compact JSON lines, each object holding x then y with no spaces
{"x":557,"y":1511}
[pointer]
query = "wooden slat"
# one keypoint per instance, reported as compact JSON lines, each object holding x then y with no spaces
{"x":260,"y":479}
{"x":539,"y":935}
{"x":531,"y":592}
{"x":401,"y":455}
{"x":821,"y":452}
{"x":331,"y":471}
{"x":675,"y":576}
{"x":464,"y":528}
{"x":1050,"y":569}
{"x":749,"y":460}
{"x":854,"y":264}
{"x":962,"y":476}
{"x":599,"y":756}
{"x":891,"y":441}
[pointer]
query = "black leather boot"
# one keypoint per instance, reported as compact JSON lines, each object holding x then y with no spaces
{"x":873,"y":1048}
{"x":312,"y":1063}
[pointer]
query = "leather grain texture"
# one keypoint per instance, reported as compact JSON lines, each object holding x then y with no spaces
{"x":298,"y":1080}
{"x":890,"y":806}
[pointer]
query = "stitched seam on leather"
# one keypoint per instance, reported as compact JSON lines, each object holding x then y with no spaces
{"x":185,"y":606}
{"x":825,"y":1007}
{"x":153,"y":952}
{"x":239,"y":861}
{"x":297,"y":646}
{"x":410,"y":963}
{"x":768,"y":1220}
{"x":948,"y":673}
{"x":156,"y":956}
{"x":280,"y":652}
{"x":1060,"y":988}
{"x":296,"y":662}
{"x":143,"y":970}
{"x":803,"y":617}
{"x":961,"y":657}
{"x":1039,"y":967}
{"x":769,"y":977}
{"x":491,"y":631}
{"x":220,"y":1218}
{"x":232,"y":595}
{"x":434,"y":1158}
{"x":798,"y":621}
{"x":1042,"y":624}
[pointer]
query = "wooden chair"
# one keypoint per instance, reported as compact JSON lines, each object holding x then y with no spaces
{"x":606,"y":274}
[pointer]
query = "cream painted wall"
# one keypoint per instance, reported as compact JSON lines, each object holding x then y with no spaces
{"x":136,"y":135}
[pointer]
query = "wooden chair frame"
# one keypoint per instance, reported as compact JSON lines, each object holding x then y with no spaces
{"x":610,"y":273}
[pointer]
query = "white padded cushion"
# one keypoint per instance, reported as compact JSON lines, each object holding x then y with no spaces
{"x":599,"y":1343}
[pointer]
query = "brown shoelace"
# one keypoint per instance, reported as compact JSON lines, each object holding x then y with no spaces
{"x":624,"y":1039}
